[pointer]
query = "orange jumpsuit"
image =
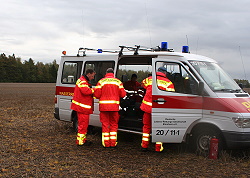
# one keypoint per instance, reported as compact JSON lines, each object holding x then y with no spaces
{"x":163,"y":83}
{"x":109,"y":90}
{"x":82,"y":102}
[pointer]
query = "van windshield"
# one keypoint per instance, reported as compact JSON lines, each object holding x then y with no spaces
{"x":216,"y":78}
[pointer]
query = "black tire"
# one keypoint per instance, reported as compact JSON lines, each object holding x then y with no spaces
{"x":75,"y":123}
{"x":201,"y":140}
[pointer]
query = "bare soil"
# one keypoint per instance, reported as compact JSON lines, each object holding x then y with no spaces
{"x":35,"y":144}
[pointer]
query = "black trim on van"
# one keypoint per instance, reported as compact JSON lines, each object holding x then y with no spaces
{"x":236,"y":140}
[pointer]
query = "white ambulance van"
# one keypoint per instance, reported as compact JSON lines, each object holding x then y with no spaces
{"x":206,"y":103}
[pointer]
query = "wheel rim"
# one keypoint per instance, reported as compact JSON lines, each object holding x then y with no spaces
{"x":204,"y":142}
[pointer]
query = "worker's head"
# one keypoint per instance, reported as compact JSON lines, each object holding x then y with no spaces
{"x":110,"y":70}
{"x":133,"y":77}
{"x":163,"y":70}
{"x":90,"y":73}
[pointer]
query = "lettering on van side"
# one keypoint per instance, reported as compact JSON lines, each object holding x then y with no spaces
{"x":167,"y":132}
{"x":247,"y":105}
{"x":66,"y":93}
{"x":170,"y":121}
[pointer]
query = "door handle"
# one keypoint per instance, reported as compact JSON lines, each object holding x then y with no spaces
{"x":159,"y":100}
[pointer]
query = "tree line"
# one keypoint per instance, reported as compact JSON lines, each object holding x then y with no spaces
{"x":244,"y":83}
{"x":140,"y":74}
{"x":12,"y":69}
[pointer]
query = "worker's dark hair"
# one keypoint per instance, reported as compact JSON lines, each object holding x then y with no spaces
{"x":110,"y":70}
{"x":89,"y":71}
{"x":134,"y":75}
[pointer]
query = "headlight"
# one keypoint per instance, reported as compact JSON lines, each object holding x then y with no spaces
{"x":242,"y":122}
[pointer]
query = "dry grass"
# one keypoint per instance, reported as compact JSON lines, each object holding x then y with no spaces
{"x":34,"y":144}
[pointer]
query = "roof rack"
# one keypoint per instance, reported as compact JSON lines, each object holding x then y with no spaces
{"x":136,"y":48}
{"x":83,"y":50}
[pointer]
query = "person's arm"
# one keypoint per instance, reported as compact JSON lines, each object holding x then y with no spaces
{"x":98,"y":90}
{"x":84,"y":88}
{"x":122,"y":91}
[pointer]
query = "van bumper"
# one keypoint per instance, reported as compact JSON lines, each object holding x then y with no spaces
{"x":236,"y":140}
{"x":56,"y":113}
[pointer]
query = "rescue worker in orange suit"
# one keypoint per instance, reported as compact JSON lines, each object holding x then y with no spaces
{"x":82,"y":103}
{"x":109,"y":90}
{"x":163,"y":83}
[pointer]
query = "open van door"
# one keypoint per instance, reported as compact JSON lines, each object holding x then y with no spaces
{"x":174,"y":112}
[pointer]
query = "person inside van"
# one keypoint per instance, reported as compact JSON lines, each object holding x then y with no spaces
{"x":163,"y":83}
{"x":132,"y":85}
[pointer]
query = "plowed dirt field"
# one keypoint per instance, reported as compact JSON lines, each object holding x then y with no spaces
{"x":35,"y":144}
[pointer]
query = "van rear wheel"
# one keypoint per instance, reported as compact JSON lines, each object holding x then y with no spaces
{"x":201,"y":140}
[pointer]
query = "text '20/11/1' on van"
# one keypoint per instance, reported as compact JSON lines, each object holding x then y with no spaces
{"x":206,"y":102}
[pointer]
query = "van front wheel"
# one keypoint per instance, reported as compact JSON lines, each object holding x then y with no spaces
{"x":201,"y":140}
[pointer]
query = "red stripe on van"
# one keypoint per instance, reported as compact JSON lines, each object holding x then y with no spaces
{"x":65,"y":91}
{"x":237,"y":105}
{"x":241,"y":105}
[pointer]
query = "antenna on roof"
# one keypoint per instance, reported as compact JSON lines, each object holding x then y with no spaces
{"x":148,"y":25}
{"x":82,"y":28}
{"x":197,"y":44}
{"x":187,"y":43}
{"x":243,"y":64}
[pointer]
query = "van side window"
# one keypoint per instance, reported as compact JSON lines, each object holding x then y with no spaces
{"x":71,"y":72}
{"x":180,"y":77}
{"x":99,"y":67}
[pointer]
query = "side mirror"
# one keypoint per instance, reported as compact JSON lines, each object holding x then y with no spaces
{"x":240,"y":85}
{"x":200,"y":88}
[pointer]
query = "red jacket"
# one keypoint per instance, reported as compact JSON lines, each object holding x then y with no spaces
{"x":83,"y":96}
{"x":131,"y":85}
{"x":163,"y":83}
{"x":109,"y":90}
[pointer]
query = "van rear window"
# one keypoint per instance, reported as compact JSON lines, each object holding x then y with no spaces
{"x":71,"y":72}
{"x":99,"y":67}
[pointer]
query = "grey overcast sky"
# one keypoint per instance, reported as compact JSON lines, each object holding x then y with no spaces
{"x":41,"y":30}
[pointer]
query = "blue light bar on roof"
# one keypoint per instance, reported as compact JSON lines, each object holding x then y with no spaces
{"x":99,"y":51}
{"x":185,"y":49}
{"x":164,"y":46}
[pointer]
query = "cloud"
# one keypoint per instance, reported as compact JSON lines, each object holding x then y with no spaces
{"x":42,"y":29}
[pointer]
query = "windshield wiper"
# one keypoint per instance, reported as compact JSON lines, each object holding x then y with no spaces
{"x":238,"y":91}
{"x":229,"y":90}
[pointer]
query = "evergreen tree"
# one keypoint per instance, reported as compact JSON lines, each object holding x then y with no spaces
{"x":13,"y":70}
{"x":3,"y":64}
{"x":245,"y":83}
